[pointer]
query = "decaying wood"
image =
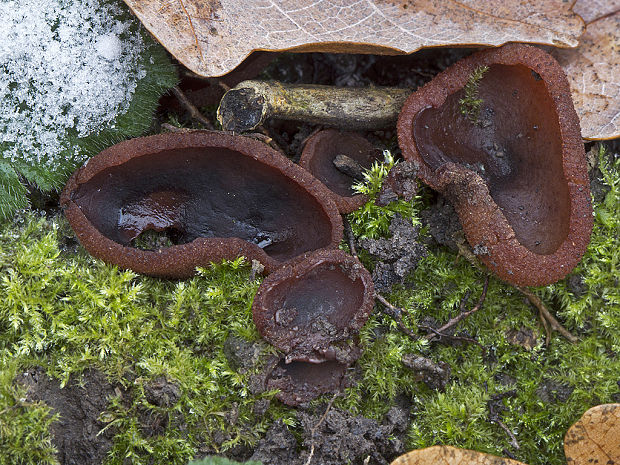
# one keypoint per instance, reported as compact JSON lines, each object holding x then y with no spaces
{"x":251,"y":103}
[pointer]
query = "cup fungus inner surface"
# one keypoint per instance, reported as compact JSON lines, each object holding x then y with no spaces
{"x":309,"y":307}
{"x":194,"y":193}
{"x":326,"y":292}
{"x":323,"y":148}
{"x":303,"y":381}
{"x":514,"y":144}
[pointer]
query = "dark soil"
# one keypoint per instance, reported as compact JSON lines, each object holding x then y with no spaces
{"x":397,"y":256}
{"x":339,"y":438}
{"x":434,"y":374}
{"x":78,"y":432}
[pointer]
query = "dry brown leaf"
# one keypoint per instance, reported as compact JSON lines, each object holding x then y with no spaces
{"x":595,"y":438}
{"x":593,"y":71}
{"x":447,"y":455}
{"x":211,"y":37}
{"x":590,"y":10}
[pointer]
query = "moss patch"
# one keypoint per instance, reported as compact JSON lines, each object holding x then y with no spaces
{"x":65,"y":311}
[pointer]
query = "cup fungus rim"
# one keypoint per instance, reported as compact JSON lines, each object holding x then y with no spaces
{"x":345,"y":204}
{"x":298,"y":268}
{"x":433,"y":94}
{"x":201,"y":251}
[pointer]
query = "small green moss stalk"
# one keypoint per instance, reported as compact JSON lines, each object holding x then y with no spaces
{"x":372,"y":221}
{"x":24,"y":426}
{"x":471,"y":103}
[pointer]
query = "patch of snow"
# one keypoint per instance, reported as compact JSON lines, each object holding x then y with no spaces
{"x":65,"y":66}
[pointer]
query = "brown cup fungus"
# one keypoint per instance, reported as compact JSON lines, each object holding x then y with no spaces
{"x":310,"y":308}
{"x":498,"y":135}
{"x":321,"y":156}
{"x":215,"y":196}
{"x":299,"y":382}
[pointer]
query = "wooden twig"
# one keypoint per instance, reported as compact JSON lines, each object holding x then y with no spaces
{"x":251,"y":103}
{"x":396,"y":314}
{"x":189,"y":106}
{"x":316,"y":427}
{"x":546,"y":315}
{"x":350,"y":236}
{"x":461,"y":316}
{"x":172,"y":128}
{"x":513,"y":439}
{"x":449,"y":336}
{"x":548,"y":320}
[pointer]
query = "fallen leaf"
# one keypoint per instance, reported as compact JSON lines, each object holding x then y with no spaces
{"x":211,"y":37}
{"x":595,"y":438}
{"x":448,"y":455}
{"x":590,"y":10}
{"x":593,"y":71}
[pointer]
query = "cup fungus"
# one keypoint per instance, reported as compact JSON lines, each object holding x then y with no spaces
{"x":214,"y":195}
{"x":299,"y":382}
{"x":498,"y":135}
{"x":320,"y":157}
{"x":310,"y":307}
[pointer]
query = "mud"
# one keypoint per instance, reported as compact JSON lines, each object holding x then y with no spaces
{"x":550,"y":391}
{"x":397,"y":256}
{"x":443,"y":223}
{"x":435,"y":375}
{"x":77,"y":435}
{"x":339,"y":438}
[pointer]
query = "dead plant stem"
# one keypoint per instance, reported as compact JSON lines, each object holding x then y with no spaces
{"x":317,"y":425}
{"x":189,"y":106}
{"x":546,"y":314}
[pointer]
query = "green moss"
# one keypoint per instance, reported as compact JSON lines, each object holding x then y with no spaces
{"x":24,"y":426}
{"x":67,"y":311}
{"x":371,"y":221}
{"x":587,"y":370}
{"x":470,"y":104}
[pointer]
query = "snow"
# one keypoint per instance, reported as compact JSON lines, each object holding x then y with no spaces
{"x":64,"y":65}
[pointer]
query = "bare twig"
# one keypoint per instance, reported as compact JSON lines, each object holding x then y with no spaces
{"x":546,"y":315}
{"x":513,"y":439}
{"x":461,"y":316}
{"x":251,"y":103}
{"x":548,"y":320}
{"x":189,"y":106}
{"x":350,"y":236}
{"x":396,"y":314}
{"x":316,"y":427}
{"x":172,"y":128}
{"x":449,"y":336}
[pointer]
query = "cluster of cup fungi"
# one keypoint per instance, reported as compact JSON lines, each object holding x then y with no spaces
{"x":515,"y":172}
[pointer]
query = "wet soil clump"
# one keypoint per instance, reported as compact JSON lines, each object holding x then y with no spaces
{"x":339,"y":438}
{"x":397,"y":256}
{"x":77,"y":433}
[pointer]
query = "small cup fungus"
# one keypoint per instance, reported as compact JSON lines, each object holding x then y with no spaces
{"x":498,"y":135}
{"x":319,"y":156}
{"x":216,"y":196}
{"x":299,"y":382}
{"x":310,"y":307}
